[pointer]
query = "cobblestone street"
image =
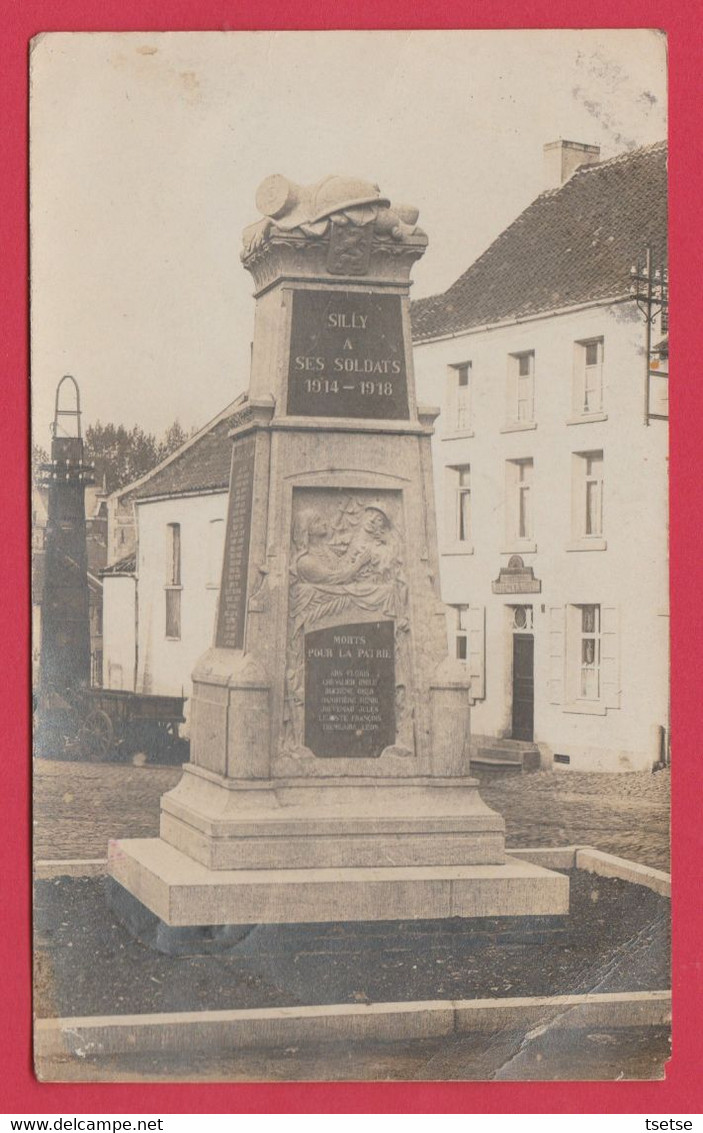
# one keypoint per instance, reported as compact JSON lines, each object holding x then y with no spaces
{"x":79,"y":807}
{"x":623,"y":814}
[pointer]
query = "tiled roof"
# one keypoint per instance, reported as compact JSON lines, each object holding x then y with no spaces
{"x":202,"y":464}
{"x":127,"y":565}
{"x":572,"y":245}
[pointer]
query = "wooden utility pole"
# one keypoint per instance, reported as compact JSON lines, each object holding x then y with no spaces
{"x":649,"y":286}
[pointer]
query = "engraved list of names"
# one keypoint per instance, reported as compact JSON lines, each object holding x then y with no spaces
{"x":233,"y":595}
{"x":350,"y":690}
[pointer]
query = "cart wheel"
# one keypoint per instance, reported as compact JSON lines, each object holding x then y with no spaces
{"x":98,"y":735}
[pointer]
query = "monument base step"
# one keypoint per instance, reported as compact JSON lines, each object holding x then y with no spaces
{"x":508,"y":754}
{"x":181,"y":891}
{"x":308,"y":823}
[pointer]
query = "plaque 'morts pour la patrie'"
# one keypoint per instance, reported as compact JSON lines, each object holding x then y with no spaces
{"x":350,"y":690}
{"x":347,"y":356}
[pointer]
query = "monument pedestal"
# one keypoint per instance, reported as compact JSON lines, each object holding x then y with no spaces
{"x":329,"y":728}
{"x":291,"y":824}
{"x":183,"y":892}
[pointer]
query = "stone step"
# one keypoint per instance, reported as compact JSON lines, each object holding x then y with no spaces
{"x":503,"y":742}
{"x":522,"y":758}
{"x":182,"y":892}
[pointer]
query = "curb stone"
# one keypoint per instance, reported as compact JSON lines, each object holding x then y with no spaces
{"x":378,"y":1022}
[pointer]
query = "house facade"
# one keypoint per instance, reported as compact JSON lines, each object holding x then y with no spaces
{"x":551,"y":479}
{"x":160,"y":598}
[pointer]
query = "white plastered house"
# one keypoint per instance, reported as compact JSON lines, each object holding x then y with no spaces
{"x":162,"y":585}
{"x":551,"y":486}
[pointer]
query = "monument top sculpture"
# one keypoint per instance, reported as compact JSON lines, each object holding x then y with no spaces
{"x":310,"y":209}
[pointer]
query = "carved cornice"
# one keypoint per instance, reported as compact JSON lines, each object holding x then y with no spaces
{"x":242,"y":417}
{"x":254,"y":412}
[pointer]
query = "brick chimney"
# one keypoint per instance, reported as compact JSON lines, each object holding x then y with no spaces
{"x":562,"y":158}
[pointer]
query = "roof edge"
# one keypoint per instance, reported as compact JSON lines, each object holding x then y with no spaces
{"x":531,"y":316}
{"x":223,"y":491}
{"x":127,"y":489}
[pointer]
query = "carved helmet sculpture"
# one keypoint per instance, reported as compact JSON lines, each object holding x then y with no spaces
{"x":309,"y":209}
{"x":293,"y":206}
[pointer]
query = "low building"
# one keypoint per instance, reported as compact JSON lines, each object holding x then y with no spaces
{"x":162,"y":584}
{"x":551,"y":477}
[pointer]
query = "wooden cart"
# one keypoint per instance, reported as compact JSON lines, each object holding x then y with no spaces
{"x":117,"y":722}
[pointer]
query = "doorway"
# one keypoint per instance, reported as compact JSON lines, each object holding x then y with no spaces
{"x":523,"y":686}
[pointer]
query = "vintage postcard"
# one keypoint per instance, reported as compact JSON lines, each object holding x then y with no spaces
{"x":350,"y":563}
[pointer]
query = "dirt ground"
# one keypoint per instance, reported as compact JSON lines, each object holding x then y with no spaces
{"x":78,"y":807}
{"x":88,"y":963}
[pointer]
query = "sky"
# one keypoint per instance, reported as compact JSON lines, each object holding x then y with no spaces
{"x":147,"y":150}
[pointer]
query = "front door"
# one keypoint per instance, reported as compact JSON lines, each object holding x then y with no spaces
{"x":523,"y":686}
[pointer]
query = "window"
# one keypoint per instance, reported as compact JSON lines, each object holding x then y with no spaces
{"x":659,"y":381}
{"x":173,"y":581}
{"x":173,"y":614}
{"x":463,"y":504}
{"x":174,"y":560}
{"x":461,"y":633}
{"x":588,"y":383}
{"x":522,"y":619}
{"x":587,"y":506}
{"x":458,"y":513}
{"x":459,"y":398}
{"x":216,"y":534}
{"x":524,"y":499}
{"x":519,"y":525}
{"x":594,"y":493}
{"x":521,"y":392}
{"x":589,"y":654}
{"x":466,"y":627}
{"x":584,"y":658}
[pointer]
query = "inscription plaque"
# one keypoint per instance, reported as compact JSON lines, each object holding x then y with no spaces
{"x":350,"y":690}
{"x":347,"y":356}
{"x":233,"y":592}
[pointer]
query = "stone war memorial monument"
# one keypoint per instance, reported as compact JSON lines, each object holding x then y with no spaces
{"x":329,"y":765}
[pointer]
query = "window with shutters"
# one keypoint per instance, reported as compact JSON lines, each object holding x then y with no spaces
{"x":467,"y":643}
{"x":589,"y":654}
{"x":461,"y":633}
{"x":585,"y":658}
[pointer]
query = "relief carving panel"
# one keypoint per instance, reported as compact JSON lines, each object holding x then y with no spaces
{"x":347,"y":692}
